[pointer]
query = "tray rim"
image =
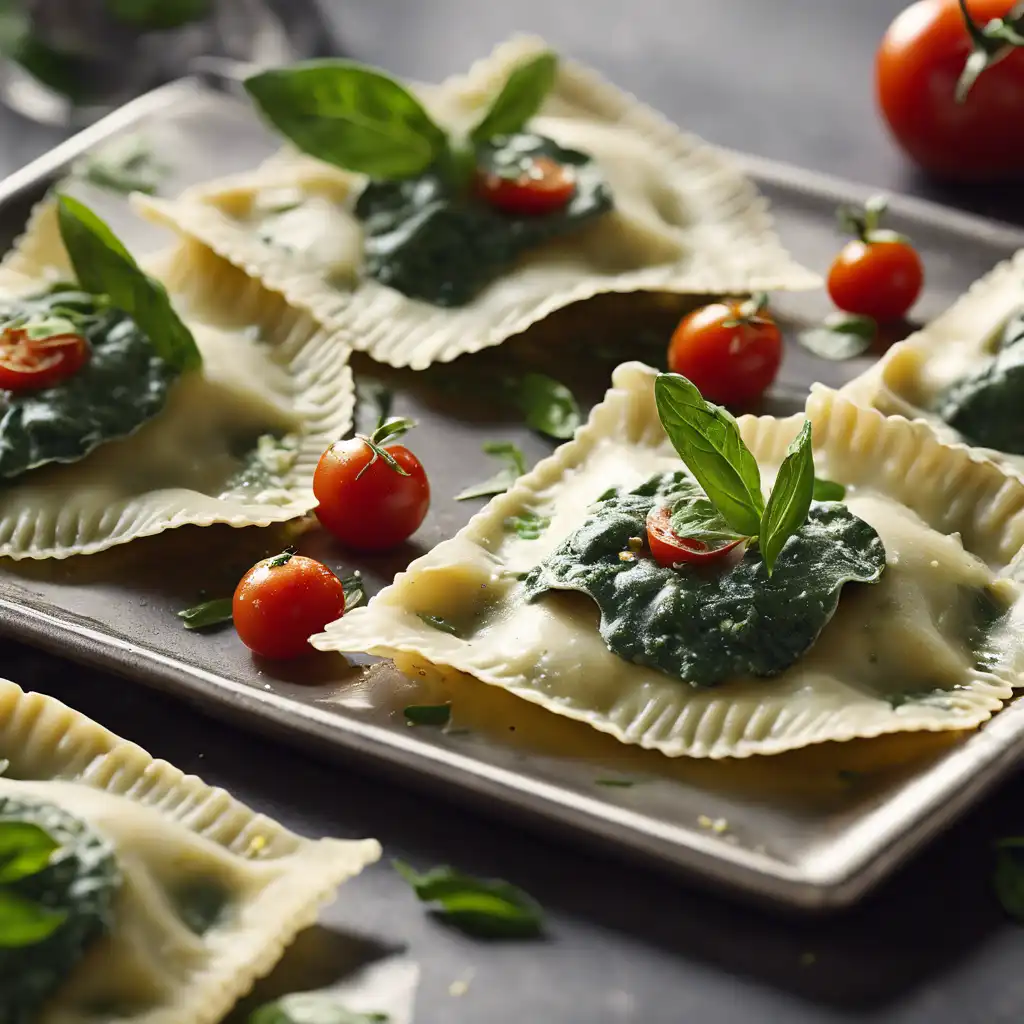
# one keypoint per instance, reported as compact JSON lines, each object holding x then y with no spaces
{"x":875,"y":845}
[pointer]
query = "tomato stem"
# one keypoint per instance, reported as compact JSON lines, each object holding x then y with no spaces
{"x":750,"y":312}
{"x":388,"y":431}
{"x":282,"y":559}
{"x":991,"y":44}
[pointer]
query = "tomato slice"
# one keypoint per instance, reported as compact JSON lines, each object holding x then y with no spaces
{"x":30,"y":364}
{"x":669,"y":549}
{"x":544,"y":185}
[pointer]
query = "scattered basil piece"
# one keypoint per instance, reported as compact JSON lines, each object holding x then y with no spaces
{"x":708,"y":441}
{"x":428,"y":714}
{"x":936,"y":697}
{"x":124,"y":166}
{"x":104,"y":267}
{"x":695,"y":518}
{"x":25,"y":922}
{"x":615,"y":783}
{"x":312,"y":1008}
{"x":351,"y":116}
{"x":514,"y":467}
{"x":478,"y":907}
{"x":548,"y":406}
{"x":840,"y":336}
{"x":1009,"y":876}
{"x":208,"y":614}
{"x":707,"y":627}
{"x":828,"y":490}
{"x":436,"y":622}
{"x":520,"y":98}
{"x":790,"y":500}
{"x":25,"y":849}
{"x":159,"y":15}
{"x":352,"y":587}
{"x":528,"y":525}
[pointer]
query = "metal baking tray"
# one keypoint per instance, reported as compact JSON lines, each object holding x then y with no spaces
{"x":813,"y":830}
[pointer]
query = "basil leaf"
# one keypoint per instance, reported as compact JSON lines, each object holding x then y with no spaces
{"x":708,"y":441}
{"x":351,"y":116}
{"x":352,"y":587}
{"x":790,"y":499}
{"x":124,"y":166}
{"x":312,"y":1008}
{"x":708,"y":627}
{"x":159,"y":15}
{"x":695,"y":518}
{"x":549,"y":407}
{"x":25,"y":849}
{"x":436,"y":622}
{"x":827,"y":490}
{"x":478,"y":907}
{"x":24,"y":922}
{"x":104,"y":267}
{"x":514,"y":468}
{"x":1009,"y":876}
{"x":210,"y":613}
{"x":615,"y":783}
{"x":840,"y":336}
{"x":528,"y":525}
{"x":428,"y":714}
{"x":520,"y":98}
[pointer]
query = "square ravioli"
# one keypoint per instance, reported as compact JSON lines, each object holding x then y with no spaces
{"x":934,"y":644}
{"x":177,"y":896}
{"x":960,"y":373}
{"x":684,"y":221}
{"x":235,"y":442}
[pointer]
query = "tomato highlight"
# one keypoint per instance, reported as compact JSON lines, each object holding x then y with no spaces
{"x":544,"y":186}
{"x":669,"y":549}
{"x":31,"y":364}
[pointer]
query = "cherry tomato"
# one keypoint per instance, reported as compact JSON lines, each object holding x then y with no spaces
{"x":282,"y":601}
{"x":669,"y":549}
{"x":547,"y":185}
{"x":730,"y":350}
{"x":28,"y":364}
{"x":364,"y":500}
{"x":917,"y":68}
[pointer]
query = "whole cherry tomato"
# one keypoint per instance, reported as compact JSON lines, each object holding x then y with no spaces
{"x":669,"y":549}
{"x":918,"y":66}
{"x":879,"y":273}
{"x":282,"y":601}
{"x":371,"y":497}
{"x":731,"y":351}
{"x":546,"y":185}
{"x":31,"y":364}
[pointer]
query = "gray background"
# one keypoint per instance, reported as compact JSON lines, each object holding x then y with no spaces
{"x":790,"y":79}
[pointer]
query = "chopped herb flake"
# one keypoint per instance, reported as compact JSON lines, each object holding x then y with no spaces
{"x":352,"y":586}
{"x":615,"y":783}
{"x":436,"y":622}
{"x":208,"y":614}
{"x":840,"y":336}
{"x":514,"y":467}
{"x":528,"y":525}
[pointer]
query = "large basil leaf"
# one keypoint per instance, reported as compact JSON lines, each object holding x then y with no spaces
{"x":520,"y":98}
{"x":432,"y":242}
{"x":708,"y":441}
{"x":104,"y":267}
{"x":985,"y":407}
{"x":351,"y":116}
{"x":695,"y":518}
{"x":81,"y":882}
{"x":124,"y":384}
{"x":706,"y":627}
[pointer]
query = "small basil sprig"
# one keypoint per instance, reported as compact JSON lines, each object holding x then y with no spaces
{"x":363,"y":120}
{"x":25,"y":850}
{"x":708,"y":441}
{"x":104,"y":266}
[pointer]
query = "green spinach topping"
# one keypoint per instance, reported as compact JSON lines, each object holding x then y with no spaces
{"x":985,"y":406}
{"x":58,"y":881}
{"x":427,"y":234}
{"x":484,"y":908}
{"x":704,"y":624}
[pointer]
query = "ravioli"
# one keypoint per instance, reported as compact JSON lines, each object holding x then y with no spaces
{"x":685,"y":221}
{"x":917,"y":377}
{"x":913,"y":651}
{"x":211,"y":894}
{"x":269,"y":372}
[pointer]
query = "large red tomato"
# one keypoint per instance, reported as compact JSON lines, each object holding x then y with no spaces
{"x":919,"y":63}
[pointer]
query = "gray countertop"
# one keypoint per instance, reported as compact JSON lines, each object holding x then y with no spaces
{"x":789,"y":80}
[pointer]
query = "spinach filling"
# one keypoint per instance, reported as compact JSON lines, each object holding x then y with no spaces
{"x":986,"y":406}
{"x":432,"y":240}
{"x":80,"y":881}
{"x":706,"y":625}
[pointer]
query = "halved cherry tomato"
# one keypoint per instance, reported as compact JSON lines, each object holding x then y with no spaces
{"x":730,"y":350}
{"x":917,"y":68}
{"x":371,"y":497}
{"x":879,"y":273}
{"x":282,"y":601}
{"x":545,"y":186}
{"x":28,"y":364}
{"x":669,"y":549}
